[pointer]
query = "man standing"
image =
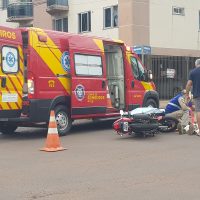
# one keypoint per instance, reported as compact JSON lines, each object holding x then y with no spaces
{"x":194,"y":83}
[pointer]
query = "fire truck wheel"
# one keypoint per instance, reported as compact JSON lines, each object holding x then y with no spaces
{"x":63,"y":119}
{"x":151,"y":102}
{"x":7,"y":129}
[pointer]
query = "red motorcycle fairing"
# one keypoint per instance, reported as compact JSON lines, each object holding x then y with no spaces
{"x":119,"y":125}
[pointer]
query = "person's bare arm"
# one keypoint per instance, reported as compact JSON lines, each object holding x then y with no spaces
{"x":183,"y":104}
{"x":188,"y":86}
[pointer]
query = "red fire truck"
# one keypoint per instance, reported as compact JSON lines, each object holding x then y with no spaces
{"x":77,"y":76}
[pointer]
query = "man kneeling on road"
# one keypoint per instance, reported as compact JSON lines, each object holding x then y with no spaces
{"x":177,"y":108}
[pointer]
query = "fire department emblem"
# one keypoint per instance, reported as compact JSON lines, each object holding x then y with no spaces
{"x":80,"y":92}
{"x":10,"y":59}
{"x":65,"y":61}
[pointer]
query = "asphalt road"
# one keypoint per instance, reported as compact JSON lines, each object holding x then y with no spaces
{"x":99,"y":165}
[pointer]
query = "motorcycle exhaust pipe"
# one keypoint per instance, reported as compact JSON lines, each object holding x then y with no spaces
{"x":163,"y":127}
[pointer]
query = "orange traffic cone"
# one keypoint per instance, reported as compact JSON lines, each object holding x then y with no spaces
{"x":53,"y":141}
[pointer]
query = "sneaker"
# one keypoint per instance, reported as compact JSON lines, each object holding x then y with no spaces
{"x":196,"y":128}
{"x":197,"y":132}
{"x":189,"y":129}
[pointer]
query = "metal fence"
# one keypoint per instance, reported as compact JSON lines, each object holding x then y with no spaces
{"x":170,"y":73}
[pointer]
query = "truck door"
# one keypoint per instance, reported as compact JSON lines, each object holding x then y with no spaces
{"x":135,"y":89}
{"x":89,"y":95}
{"x":11,"y":81}
{"x":115,"y":74}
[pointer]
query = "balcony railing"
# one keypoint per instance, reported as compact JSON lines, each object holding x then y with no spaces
{"x":55,"y":6}
{"x":20,"y":12}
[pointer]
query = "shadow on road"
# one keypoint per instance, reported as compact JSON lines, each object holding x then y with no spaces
{"x":139,"y":137}
{"x":91,"y":126}
{"x":79,"y":127}
{"x":25,"y":134}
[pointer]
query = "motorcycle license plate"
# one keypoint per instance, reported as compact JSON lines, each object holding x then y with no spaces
{"x":125,"y":126}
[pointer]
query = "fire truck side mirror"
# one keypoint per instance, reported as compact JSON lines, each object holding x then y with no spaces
{"x":149,"y":75}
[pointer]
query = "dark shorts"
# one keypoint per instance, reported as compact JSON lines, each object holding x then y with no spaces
{"x":197,"y":104}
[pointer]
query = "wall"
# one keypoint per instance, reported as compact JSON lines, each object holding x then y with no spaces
{"x":3,"y":14}
{"x":173,"y":31}
{"x":41,"y":18}
{"x":134,"y":22}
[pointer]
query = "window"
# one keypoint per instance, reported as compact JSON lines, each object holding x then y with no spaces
{"x":134,"y":66}
{"x":5,"y":4}
{"x":88,"y":65}
{"x":65,"y":24}
{"x":178,"y":11}
{"x":84,"y":21}
{"x":111,"y":17}
{"x":10,"y":61}
{"x":137,"y":68}
{"x":61,"y":24}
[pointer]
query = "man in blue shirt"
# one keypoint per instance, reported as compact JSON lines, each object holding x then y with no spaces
{"x":177,"y":108}
{"x":194,"y":83}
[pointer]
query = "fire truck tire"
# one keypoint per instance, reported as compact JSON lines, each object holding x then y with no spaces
{"x":63,"y":119}
{"x":7,"y":129}
{"x":151,"y":102}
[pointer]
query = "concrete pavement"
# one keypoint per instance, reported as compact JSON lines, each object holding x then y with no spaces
{"x":163,"y":103}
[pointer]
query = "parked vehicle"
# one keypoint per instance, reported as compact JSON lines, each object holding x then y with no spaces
{"x":77,"y":76}
{"x":144,"y":121}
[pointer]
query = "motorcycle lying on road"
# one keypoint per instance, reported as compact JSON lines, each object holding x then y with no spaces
{"x":144,"y":121}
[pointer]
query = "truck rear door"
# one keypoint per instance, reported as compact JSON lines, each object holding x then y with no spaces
{"x":11,"y":80}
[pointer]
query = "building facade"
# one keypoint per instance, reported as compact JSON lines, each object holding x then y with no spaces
{"x":169,"y":28}
{"x":3,"y":14}
{"x":75,"y":16}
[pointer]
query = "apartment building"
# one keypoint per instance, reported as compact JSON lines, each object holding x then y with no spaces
{"x":76,"y":16}
{"x":3,"y":14}
{"x":170,"y":29}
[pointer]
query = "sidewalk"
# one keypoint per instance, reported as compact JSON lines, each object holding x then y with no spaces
{"x":163,"y":103}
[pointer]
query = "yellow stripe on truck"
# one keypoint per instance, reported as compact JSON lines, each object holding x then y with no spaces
{"x":51,"y":55}
{"x":146,"y":85}
{"x":21,"y":76}
{"x":99,"y":43}
{"x":128,"y":56}
{"x":5,"y":106}
{"x":118,"y":41}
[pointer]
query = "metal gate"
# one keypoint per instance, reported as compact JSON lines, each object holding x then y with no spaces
{"x":170,"y":73}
